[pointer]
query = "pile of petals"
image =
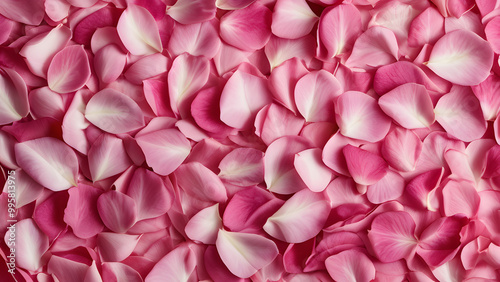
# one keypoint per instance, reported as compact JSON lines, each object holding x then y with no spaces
{"x":250,"y":140}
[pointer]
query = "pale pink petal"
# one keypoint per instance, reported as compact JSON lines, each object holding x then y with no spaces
{"x":283,"y":80}
{"x":192,"y":11}
{"x":459,"y":113}
{"x":69,"y":70}
{"x":243,"y":167}
{"x":177,"y":265}
{"x":82,"y":3}
{"x":365,"y":167}
{"x":117,"y":271}
{"x":114,"y":112}
{"x":247,"y":29}
{"x":292,"y":19}
{"x":486,"y":94}
{"x":389,"y":188}
{"x":151,"y":196}
{"x":206,"y":112}
{"x":359,"y":116}
{"x":301,"y":217}
{"x":460,"y":197}
{"x":273,"y":122}
{"x":229,"y":57}
{"x":154,"y":92}
{"x":242,"y":97}
{"x":138,"y":31}
{"x":14,"y":96}
{"x":57,"y":10}
{"x":24,"y":11}
{"x":40,"y":50}
{"x":469,"y":21}
{"x":46,"y":103}
{"x":196,"y":39}
{"x":200,"y":182}
{"x":6,"y":29}
{"x":461,"y":57}
{"x":350,"y":265}
{"x":105,"y":36}
{"x":459,"y":165}
{"x":204,"y":225}
{"x":493,"y":33}
{"x":457,"y":8}
{"x":401,"y":149}
{"x":187,"y":76}
{"x":26,"y":189}
{"x":279,"y":50}
{"x":477,"y":152}
{"x":314,"y":95}
{"x":65,"y":269}
{"x":115,"y":246}
{"x":29,"y":242}
{"x":74,"y":123}
{"x":426,"y":28}
{"x":342,"y":190}
{"x":93,"y":274}
{"x":81,"y":212}
{"x":117,"y":210}
{"x":338,"y":28}
{"x":92,"y":22}
{"x":48,"y":215}
{"x":311,"y":169}
{"x":332,"y":153}
{"x":146,"y":67}
{"x":451,"y":271}
{"x":233,"y":4}
{"x":109,"y":63}
{"x":279,"y":174}
{"x":107,"y":157}
{"x":49,"y":162}
{"x":7,"y":156}
{"x":375,"y":47}
{"x":243,"y":253}
{"x":164,"y":149}
{"x":392,"y":236}
{"x":409,"y":105}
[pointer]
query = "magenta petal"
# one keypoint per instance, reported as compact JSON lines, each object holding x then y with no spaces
{"x":350,"y":265}
{"x":69,"y":70}
{"x":117,"y":210}
{"x":81,"y":213}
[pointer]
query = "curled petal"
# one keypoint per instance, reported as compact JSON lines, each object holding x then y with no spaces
{"x":138,"y":31}
{"x":14,"y":97}
{"x":24,"y":11}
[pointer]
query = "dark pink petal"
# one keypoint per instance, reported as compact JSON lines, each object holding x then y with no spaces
{"x":421,"y":188}
{"x":243,"y":167}
{"x":311,"y":169}
{"x":109,"y":62}
{"x":242,"y":97}
{"x":389,"y":188}
{"x":426,"y":28}
{"x":114,"y":112}
{"x":375,"y":47}
{"x":301,"y":217}
{"x":152,"y":197}
{"x":401,"y":149}
{"x":460,"y":197}
{"x":279,"y":174}
{"x":359,"y":116}
{"x":485,"y":93}
{"x":65,"y":269}
{"x":292,"y":19}
{"x":46,"y":103}
{"x":115,"y":246}
{"x":164,"y":150}
{"x":24,"y":11}
{"x":200,"y":182}
{"x":461,"y":57}
{"x":147,"y":67}
{"x":154,"y":91}
{"x":492,"y":168}
{"x":186,"y":77}
{"x":350,"y":265}
{"x":283,"y":79}
{"x":333,"y":157}
{"x":177,"y":265}
{"x":279,"y":50}
{"x":273,"y":122}
{"x":338,"y":29}
{"x":365,"y":167}
{"x":319,"y":132}
{"x":247,"y":29}
{"x":196,"y":39}
{"x":204,"y":225}
{"x":192,"y":11}
{"x":138,"y":31}
{"x":314,"y":95}
{"x":49,"y":162}
{"x":243,"y":253}
{"x":49,"y":215}
{"x":6,"y":28}
{"x":29,"y":242}
{"x":206,"y":111}
{"x":392,"y":236}
{"x":468,"y":21}
{"x":14,"y":96}
{"x":459,"y":113}
{"x":117,"y":210}
{"x":86,"y":28}
{"x":107,"y":157}
{"x":40,"y":50}
{"x":81,"y":213}
{"x":409,"y":105}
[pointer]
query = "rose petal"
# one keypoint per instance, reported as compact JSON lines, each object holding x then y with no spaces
{"x":69,"y":70}
{"x":138,"y":31}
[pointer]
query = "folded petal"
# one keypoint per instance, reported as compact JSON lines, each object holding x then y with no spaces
{"x":248,"y":29}
{"x":138,"y":31}
{"x":243,"y":253}
{"x":350,"y":265}
{"x":114,"y":112}
{"x":426,"y":28}
{"x":146,"y":67}
{"x":338,"y":29}
{"x":301,"y":217}
{"x":311,"y":169}
{"x":69,"y":70}
{"x":99,"y":19}
{"x":107,"y":157}
{"x":204,"y":226}
{"x":392,"y":236}
{"x":81,"y":212}
{"x":24,"y":11}
{"x":117,"y":271}
{"x":242,"y":97}
{"x":292,"y":19}
{"x":164,"y":149}
{"x":49,"y":162}
{"x":109,"y":63}
{"x":459,"y":113}
{"x":273,"y":122}
{"x":359,"y":116}
{"x":461,"y":57}
{"x":401,"y":149}
{"x":49,"y":215}
{"x":177,"y":265}
{"x":29,"y":242}
{"x":365,"y":167}
{"x":409,"y":105}
{"x":196,"y":39}
{"x":117,"y":210}
{"x":200,"y":182}
{"x":389,"y":188}
{"x":65,"y":269}
{"x":492,"y":33}
{"x":115,"y":246}
{"x":460,"y":197}
{"x":243,"y":167}
{"x":192,"y":11}
{"x":14,"y":97}
{"x":314,"y":95}
{"x":374,"y":48}
{"x":283,"y":80}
